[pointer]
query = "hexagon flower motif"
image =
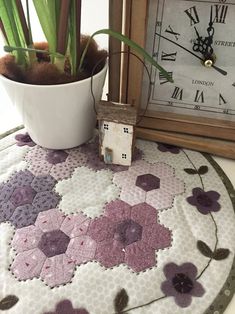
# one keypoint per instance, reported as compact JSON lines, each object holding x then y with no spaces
{"x":129,"y":235}
{"x":87,"y":191}
{"x":58,"y":163}
{"x":154,"y":184}
{"x":24,"y":139}
{"x":91,"y":150}
{"x":52,"y":247}
{"x":24,"y":195}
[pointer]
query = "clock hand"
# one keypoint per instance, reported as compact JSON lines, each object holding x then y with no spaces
{"x":209,"y":39}
{"x":192,"y":53}
{"x":198,"y":46}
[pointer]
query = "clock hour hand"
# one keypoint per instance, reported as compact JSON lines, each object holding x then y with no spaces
{"x":192,"y":53}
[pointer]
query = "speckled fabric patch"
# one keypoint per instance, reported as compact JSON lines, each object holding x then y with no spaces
{"x":90,"y":238}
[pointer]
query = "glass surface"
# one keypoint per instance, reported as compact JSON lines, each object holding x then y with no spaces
{"x":197,"y":89}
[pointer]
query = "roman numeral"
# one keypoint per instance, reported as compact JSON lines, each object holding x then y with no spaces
{"x":168,"y":56}
{"x":192,"y":14}
{"x":220,"y":13}
{"x":199,"y":96}
{"x":222,"y":101}
{"x":178,"y":93}
{"x":172,"y":32}
{"x":162,"y":78}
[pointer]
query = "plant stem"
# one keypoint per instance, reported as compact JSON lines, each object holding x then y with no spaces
{"x":140,"y":306}
{"x":215,"y":247}
{"x":202,"y":184}
{"x":212,"y":217}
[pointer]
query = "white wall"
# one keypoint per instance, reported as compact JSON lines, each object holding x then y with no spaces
{"x":94,"y":17}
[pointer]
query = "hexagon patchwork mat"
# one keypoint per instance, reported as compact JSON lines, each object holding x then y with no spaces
{"x":90,"y":238}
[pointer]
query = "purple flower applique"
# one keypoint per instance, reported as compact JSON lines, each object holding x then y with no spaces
{"x":58,"y":163}
{"x":154,"y":184}
{"x":24,"y":139}
{"x":205,"y":202}
{"x":129,"y":235}
{"x":52,"y":247}
{"x":168,"y":148}
{"x":181,"y":283}
{"x":91,"y":150}
{"x":24,"y":195}
{"x":66,"y":307}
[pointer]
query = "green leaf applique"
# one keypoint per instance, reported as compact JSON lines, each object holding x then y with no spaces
{"x":204,"y":249}
{"x":221,"y":254}
{"x":203,"y":170}
{"x":8,"y":302}
{"x":191,"y":171}
{"x":121,"y":300}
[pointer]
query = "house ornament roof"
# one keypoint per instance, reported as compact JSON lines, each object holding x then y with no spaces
{"x":117,"y":112}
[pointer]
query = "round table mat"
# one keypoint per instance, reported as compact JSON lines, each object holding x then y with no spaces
{"x":78,"y":236}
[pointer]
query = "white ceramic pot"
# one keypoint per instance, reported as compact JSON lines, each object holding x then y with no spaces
{"x":57,"y":116}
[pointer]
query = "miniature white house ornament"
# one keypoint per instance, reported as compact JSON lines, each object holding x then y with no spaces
{"x":116,"y":132}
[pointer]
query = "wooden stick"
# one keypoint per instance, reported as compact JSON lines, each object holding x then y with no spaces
{"x":125,"y":58}
{"x":63,"y":27}
{"x":78,"y":8}
{"x":137,"y":33}
{"x":203,"y":144}
{"x":115,"y":23}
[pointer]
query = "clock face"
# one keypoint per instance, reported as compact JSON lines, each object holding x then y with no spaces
{"x":183,"y":36}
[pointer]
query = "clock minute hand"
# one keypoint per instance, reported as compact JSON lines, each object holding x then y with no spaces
{"x":192,"y":53}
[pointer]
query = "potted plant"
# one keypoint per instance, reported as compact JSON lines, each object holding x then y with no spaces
{"x":50,"y":83}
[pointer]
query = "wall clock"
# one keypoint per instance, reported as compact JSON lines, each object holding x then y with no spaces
{"x":194,"y":40}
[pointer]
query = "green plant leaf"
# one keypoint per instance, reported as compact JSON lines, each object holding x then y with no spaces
{"x":203,"y":170}
{"x":8,"y":302}
{"x":21,"y":23}
{"x":221,"y":254}
{"x":23,"y":31}
{"x":204,"y":249}
{"x":191,"y":171}
{"x":8,"y":18}
{"x":131,"y":44}
{"x":121,"y":300}
{"x":47,"y":17}
{"x":12,"y":48}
